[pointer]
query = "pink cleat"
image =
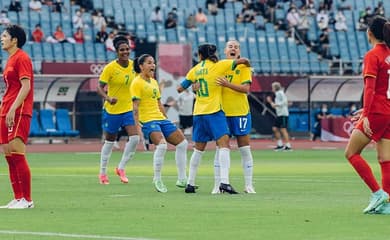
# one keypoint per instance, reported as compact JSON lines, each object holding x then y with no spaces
{"x":103,"y":179}
{"x":122,"y":175}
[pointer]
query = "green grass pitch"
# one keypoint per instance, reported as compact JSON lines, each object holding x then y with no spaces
{"x":304,"y":194}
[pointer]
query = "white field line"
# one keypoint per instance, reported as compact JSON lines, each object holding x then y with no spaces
{"x":67,"y":235}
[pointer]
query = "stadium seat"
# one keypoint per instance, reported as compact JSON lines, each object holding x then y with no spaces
{"x":48,"y":52}
{"x":58,"y":52}
{"x":35,"y":128}
{"x":64,"y":124}
{"x":68,"y":52}
{"x":47,"y":120}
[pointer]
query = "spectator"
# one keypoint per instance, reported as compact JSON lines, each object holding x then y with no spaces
{"x":200,"y":17}
{"x":322,"y":19}
{"x":58,"y":5}
{"x":324,"y":44}
{"x":380,"y":9}
{"x":304,"y":24}
{"x":102,"y":35}
{"x":221,"y":4}
{"x":322,"y":113}
{"x":77,"y":20}
{"x":212,"y":7}
{"x":37,"y":35}
{"x":79,"y":35}
{"x":293,"y":20}
{"x":311,"y":7}
{"x":156,"y":16}
{"x":364,"y":19}
{"x":170,"y":22}
{"x":98,"y":20}
{"x":247,"y":14}
{"x":260,"y":8}
{"x":351,"y":110}
{"x":4,"y":20}
{"x":272,"y":4}
{"x":191,"y":21}
{"x":174,"y":14}
{"x":341,"y":21}
{"x":344,"y":5}
{"x":15,"y":6}
{"x":110,"y":42}
{"x":59,"y":37}
{"x":35,"y":5}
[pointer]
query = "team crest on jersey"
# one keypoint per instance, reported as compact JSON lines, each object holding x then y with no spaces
{"x":237,"y":72}
{"x":387,"y":60}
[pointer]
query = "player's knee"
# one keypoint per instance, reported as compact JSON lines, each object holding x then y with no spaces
{"x":183,"y":144}
{"x":134,"y":139}
{"x":162,"y":145}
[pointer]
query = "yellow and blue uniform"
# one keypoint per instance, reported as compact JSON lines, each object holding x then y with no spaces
{"x":209,"y":119}
{"x":149,"y":114}
{"x":235,"y":104}
{"x":118,"y":80}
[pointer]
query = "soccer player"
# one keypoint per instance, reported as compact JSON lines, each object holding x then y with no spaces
{"x":374,"y":120}
{"x":150,"y":114}
{"x":15,"y":115}
{"x":281,"y":122}
{"x":235,"y":87}
{"x":117,"y":108}
{"x":209,"y":120}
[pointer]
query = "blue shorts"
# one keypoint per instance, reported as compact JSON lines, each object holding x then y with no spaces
{"x":112,"y":122}
{"x":164,"y":126}
{"x":239,"y":125}
{"x":209,"y":127}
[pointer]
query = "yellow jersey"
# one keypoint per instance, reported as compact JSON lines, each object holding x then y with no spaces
{"x":209,"y":95}
{"x":118,"y":80}
{"x":148,"y":94}
{"x":236,"y":103}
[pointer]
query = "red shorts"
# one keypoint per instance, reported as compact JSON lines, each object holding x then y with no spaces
{"x":379,"y":124}
{"x":21,"y":129}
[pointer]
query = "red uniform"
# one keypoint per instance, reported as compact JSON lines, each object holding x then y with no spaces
{"x":19,"y":66}
{"x":376,"y":74}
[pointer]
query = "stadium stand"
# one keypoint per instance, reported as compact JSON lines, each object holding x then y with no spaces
{"x":48,"y":125}
{"x":63,"y":123}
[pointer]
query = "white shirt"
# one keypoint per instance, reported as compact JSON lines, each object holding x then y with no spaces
{"x":185,"y":103}
{"x":281,"y":103}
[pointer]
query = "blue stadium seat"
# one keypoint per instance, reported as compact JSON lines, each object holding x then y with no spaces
{"x":79,"y":52}
{"x":171,"y":35}
{"x":37,"y":51}
{"x":64,"y":124}
{"x":47,"y":121}
{"x":35,"y":128}
{"x":58,"y":52}
{"x":68,"y":52}
{"x":48,"y":52}
{"x":100,"y":50}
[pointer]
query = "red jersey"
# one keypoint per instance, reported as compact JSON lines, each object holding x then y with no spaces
{"x":18,"y":66}
{"x":377,"y":66}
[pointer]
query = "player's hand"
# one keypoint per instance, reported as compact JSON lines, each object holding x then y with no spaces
{"x":269,"y":99}
{"x":366,"y":126}
{"x":222,"y":81}
{"x":112,"y":100}
{"x":356,"y":116}
{"x":195,"y":86}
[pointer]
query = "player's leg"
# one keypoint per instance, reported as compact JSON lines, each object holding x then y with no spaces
{"x":217,"y":173}
{"x":247,"y":162}
{"x":176,"y":138}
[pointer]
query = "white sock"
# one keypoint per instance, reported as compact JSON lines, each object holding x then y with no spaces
{"x":196,"y":157}
{"x":105,"y":155}
{"x":129,"y":151}
{"x":288,"y":145}
{"x":279,"y":143}
{"x":247,"y":164}
{"x":224,"y":163}
{"x":217,"y":170}
{"x":158,"y":160}
{"x":181,"y":159}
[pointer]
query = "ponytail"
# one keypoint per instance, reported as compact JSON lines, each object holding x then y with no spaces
{"x":136,"y":67}
{"x":386,"y":33}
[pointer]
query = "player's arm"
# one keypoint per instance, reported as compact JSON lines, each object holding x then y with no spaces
{"x":244,"y":61}
{"x":138,"y":125}
{"x":161,"y":107}
{"x":224,"y":82}
{"x":101,"y":91}
{"x":184,"y":85}
{"x":23,"y":92}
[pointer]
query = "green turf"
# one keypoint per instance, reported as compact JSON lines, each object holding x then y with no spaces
{"x":311,"y":194}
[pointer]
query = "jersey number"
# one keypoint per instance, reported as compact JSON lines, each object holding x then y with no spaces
{"x":127,"y":77}
{"x":243,"y":123}
{"x":203,"y":89}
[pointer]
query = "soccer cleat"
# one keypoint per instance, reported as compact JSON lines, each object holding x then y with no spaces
{"x":377,"y":199}
{"x":22,"y":204}
{"x":287,"y":149}
{"x":249,"y":189}
{"x":278,"y":148}
{"x":160,"y":187}
{"x":189,"y":189}
{"x":122,"y":175}
{"x":216,"y":190}
{"x":383,"y":209}
{"x":103,"y":179}
{"x":181,"y":183}
{"x":11,"y":203}
{"x":223,"y":187}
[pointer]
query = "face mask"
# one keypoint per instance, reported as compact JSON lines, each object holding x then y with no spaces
{"x":353,"y":108}
{"x":324,"y":110}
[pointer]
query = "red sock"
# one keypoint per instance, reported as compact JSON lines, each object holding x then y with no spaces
{"x":13,"y":177}
{"x":385,"y":167}
{"x":24,"y":174}
{"x":364,"y":171}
